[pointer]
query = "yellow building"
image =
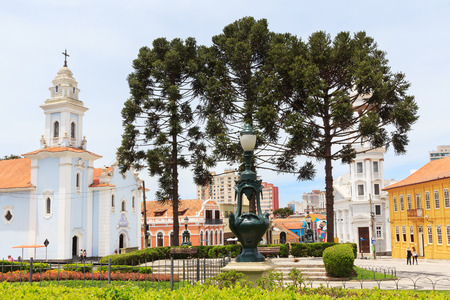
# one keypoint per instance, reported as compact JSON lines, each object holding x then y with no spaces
{"x":419,"y":209}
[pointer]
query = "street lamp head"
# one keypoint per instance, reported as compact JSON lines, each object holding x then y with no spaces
{"x":186,"y":220}
{"x":308,"y":218}
{"x":248,"y":138}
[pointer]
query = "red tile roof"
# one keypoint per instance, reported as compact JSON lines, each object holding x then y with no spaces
{"x":190,"y":206}
{"x":434,"y":170}
{"x":96,"y":180}
{"x":61,"y":149}
{"x":15,"y":173}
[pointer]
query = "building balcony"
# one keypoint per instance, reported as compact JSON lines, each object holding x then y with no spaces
{"x":213,"y":221}
{"x":415,"y":213}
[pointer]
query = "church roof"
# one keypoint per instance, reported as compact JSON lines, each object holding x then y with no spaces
{"x":96,"y":179}
{"x":61,"y":149}
{"x":187,"y":207}
{"x":15,"y":173}
{"x":434,"y":170}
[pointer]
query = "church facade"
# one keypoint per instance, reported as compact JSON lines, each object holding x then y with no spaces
{"x":56,"y":194}
{"x":361,"y":207}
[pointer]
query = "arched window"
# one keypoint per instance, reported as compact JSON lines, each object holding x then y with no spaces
{"x":56,"y":88}
{"x":56,"y":129}
{"x":206,"y":238}
{"x":48,"y":205}
{"x":216,"y":241}
{"x":123,"y":206}
{"x":78,"y":181}
{"x":201,"y":238}
{"x":72,"y":130}
{"x":121,"y":241}
{"x":220,"y":238}
{"x":160,"y":239}
{"x":133,"y":205}
{"x":113,"y":201}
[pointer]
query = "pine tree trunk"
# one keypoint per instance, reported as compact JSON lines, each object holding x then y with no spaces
{"x":175,"y":204}
{"x":330,"y":198}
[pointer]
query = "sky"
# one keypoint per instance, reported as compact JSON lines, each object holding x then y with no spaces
{"x":103,"y":37}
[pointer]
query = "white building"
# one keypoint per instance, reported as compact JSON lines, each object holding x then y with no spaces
{"x":56,"y":194}
{"x":442,"y":151}
{"x":361,"y":207}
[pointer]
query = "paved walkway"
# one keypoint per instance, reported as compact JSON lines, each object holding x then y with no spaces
{"x":428,"y":274}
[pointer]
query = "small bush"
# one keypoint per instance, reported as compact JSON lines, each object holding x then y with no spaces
{"x":227,"y":279}
{"x":11,"y":266}
{"x":315,"y":249}
{"x":78,"y":267}
{"x":126,"y":269}
{"x":338,"y":260}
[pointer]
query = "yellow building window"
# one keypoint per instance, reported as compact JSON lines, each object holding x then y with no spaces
{"x":446,"y":199}
{"x":436,"y":199}
{"x":439,"y":234}
{"x":427,"y":200}
{"x":430,"y":234}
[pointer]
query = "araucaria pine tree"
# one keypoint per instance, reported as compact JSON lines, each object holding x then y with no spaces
{"x":160,"y":130}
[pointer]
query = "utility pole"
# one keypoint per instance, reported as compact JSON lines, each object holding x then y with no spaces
{"x":372,"y":217}
{"x":145,"y":217}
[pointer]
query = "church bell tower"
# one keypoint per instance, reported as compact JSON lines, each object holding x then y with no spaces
{"x":64,"y":112}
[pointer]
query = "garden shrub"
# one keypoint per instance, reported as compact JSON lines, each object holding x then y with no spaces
{"x":11,"y":266}
{"x":338,"y":260}
{"x":315,"y":249}
{"x":126,"y":269}
{"x":227,"y":279}
{"x":158,"y":253}
{"x":78,"y":267}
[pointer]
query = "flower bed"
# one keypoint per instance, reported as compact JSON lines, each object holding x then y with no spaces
{"x":18,"y":276}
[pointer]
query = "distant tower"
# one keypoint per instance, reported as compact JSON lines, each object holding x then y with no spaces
{"x":367,"y":174}
{"x":64,"y":113}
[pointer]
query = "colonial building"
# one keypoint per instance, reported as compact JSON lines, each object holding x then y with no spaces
{"x":205,"y":222}
{"x":56,"y":194}
{"x":360,"y":206}
{"x":420,"y":211}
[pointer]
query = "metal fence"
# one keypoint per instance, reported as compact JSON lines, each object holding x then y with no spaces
{"x":401,"y":283}
{"x":170,"y":273}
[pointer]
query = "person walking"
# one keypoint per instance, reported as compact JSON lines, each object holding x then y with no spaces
{"x":81,"y":255}
{"x":408,"y":255}
{"x":414,"y":255}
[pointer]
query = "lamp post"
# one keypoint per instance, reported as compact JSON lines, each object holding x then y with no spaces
{"x":309,"y":232}
{"x":186,"y":234}
{"x":249,"y":227}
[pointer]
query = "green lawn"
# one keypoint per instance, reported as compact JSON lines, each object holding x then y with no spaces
{"x":360,"y":273}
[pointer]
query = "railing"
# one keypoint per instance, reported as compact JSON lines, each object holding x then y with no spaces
{"x":169,"y":273}
{"x":213,"y":221}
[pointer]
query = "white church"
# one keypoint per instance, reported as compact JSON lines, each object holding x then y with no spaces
{"x":361,"y":207}
{"x":56,"y":194}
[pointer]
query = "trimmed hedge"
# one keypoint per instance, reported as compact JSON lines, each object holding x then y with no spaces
{"x":126,"y":269}
{"x":338,"y":260}
{"x":158,"y":253}
{"x":78,"y":267}
{"x":11,"y":266}
{"x":315,"y":249}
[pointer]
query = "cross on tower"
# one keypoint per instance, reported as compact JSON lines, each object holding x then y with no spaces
{"x":65,"y":57}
